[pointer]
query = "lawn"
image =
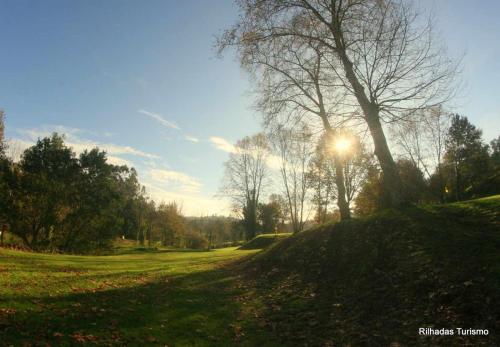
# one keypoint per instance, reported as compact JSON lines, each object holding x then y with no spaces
{"x":263,"y":241}
{"x":373,"y":281}
{"x":174,"y":298}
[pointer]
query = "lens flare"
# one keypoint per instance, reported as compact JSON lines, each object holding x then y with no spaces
{"x":342,"y":145}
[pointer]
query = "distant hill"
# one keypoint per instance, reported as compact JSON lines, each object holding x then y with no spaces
{"x":376,"y":281}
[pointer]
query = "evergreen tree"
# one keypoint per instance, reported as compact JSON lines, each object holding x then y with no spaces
{"x":467,"y":162}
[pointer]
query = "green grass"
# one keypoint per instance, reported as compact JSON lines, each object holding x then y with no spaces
{"x":264,"y":240}
{"x":371,"y":281}
{"x":149,"y":298}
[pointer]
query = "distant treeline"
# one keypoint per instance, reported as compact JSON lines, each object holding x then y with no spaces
{"x":54,"y":200}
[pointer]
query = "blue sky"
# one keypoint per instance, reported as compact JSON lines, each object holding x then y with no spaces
{"x":140,"y":79}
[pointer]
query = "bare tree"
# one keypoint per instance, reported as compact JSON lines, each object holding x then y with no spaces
{"x":245,"y":176}
{"x":294,"y":150}
{"x":384,"y":52}
{"x":437,"y":124}
{"x":355,"y":163}
{"x":422,"y":138}
{"x":409,"y":136}
{"x":294,"y":87}
{"x":321,"y":180}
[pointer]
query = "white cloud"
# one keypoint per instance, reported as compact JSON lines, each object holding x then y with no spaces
{"x":78,"y":144}
{"x":222,"y":144}
{"x":119,"y":161}
{"x":176,"y":179}
{"x":46,"y":131}
{"x":273,"y":161}
{"x":162,"y":184}
{"x":191,"y":138}
{"x":114,"y":152}
{"x":110,"y":148}
{"x":192,"y":204}
{"x":160,"y":119}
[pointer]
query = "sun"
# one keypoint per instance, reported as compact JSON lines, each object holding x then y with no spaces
{"x":342,"y":145}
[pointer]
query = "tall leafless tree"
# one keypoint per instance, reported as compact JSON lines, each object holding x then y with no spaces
{"x":410,"y":138}
{"x":421,"y":138}
{"x":294,"y":86}
{"x":294,"y":148}
{"x":321,"y":181}
{"x":245,"y":176}
{"x":437,"y":123}
{"x":355,"y":163}
{"x":384,"y":51}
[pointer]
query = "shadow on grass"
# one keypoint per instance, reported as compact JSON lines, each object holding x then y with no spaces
{"x":142,"y":250}
{"x":196,"y":309}
{"x":377,"y":280}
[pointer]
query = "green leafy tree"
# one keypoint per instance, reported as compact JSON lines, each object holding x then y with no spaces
{"x":218,"y":230}
{"x":95,"y":217}
{"x":269,"y":216}
{"x":56,"y":201}
{"x":495,"y":151}
{"x":172,"y":225}
{"x":371,"y":195}
{"x":414,"y":187}
{"x":466,"y":159}
{"x":368,"y":199}
{"x":2,"y":132}
{"x":4,"y":168}
{"x":41,"y":190}
{"x":131,"y":193}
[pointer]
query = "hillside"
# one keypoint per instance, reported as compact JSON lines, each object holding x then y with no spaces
{"x":371,"y":281}
{"x":263,"y":241}
{"x":377,"y":280}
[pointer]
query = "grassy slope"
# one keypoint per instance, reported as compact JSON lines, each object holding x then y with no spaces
{"x":366,"y":282}
{"x":264,"y":240}
{"x":154,"y":298}
{"x":377,"y":280}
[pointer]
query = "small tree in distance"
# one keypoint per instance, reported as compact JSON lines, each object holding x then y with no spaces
{"x":245,"y":177}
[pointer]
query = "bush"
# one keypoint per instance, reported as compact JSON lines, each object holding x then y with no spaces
{"x":195,"y":241}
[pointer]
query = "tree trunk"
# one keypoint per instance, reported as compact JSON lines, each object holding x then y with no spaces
{"x":4,"y":230}
{"x":458,"y":193}
{"x":343,"y":205}
{"x":391,"y":182}
{"x":250,"y":217}
{"x":149,"y":236}
{"x":344,"y":210}
{"x":442,"y":187}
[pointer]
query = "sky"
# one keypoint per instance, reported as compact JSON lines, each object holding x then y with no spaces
{"x":141,"y":80}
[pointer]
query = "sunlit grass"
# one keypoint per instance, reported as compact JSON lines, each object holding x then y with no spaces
{"x":264,"y":240}
{"x":157,"y":298}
